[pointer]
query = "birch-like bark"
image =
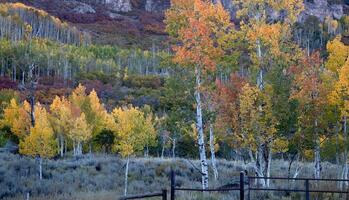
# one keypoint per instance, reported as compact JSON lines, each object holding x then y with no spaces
{"x":337,"y":143}
{"x":259,"y":169}
{"x":317,"y":168}
{"x":61,"y":146}
{"x":344,"y":173}
{"x":260,"y":78}
{"x":199,"y":124}
{"x":250,"y":153}
{"x":268,"y":166}
{"x":163,"y":150}
{"x":40,"y":168}
{"x":126,"y":175}
{"x":213,"y":152}
{"x":298,"y":168}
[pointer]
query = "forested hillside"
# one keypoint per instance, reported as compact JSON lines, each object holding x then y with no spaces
{"x":264,"y":83}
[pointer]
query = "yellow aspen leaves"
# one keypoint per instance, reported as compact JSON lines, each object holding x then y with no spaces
{"x":41,"y":141}
{"x":133,"y":130}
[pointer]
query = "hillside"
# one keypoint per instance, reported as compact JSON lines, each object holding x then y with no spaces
{"x":109,"y":23}
{"x":139,"y":23}
{"x":97,"y":95}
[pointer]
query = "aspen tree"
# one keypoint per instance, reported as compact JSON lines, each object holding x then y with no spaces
{"x":196,"y":26}
{"x":132,"y":131}
{"x":40,"y":142}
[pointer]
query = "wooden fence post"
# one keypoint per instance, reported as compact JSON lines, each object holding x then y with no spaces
{"x":164,"y":194}
{"x":242,"y":184}
{"x":307,"y":193}
{"x":173,"y":184}
{"x":249,"y":186}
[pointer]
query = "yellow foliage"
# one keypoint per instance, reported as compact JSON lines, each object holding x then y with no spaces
{"x":257,"y":120}
{"x":41,"y":141}
{"x":17,"y":117}
{"x":339,"y":96}
{"x":133,"y":130}
{"x":262,"y":33}
{"x":61,"y":115}
{"x":338,"y":54}
{"x":81,"y":131}
{"x":78,"y":97}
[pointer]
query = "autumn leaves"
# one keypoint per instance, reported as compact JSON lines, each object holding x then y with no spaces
{"x":69,"y":123}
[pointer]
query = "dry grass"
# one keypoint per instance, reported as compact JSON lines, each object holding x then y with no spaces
{"x":102,"y":176}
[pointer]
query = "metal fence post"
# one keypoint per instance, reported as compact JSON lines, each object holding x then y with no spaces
{"x":164,"y":194}
{"x":307,"y":193}
{"x":242,"y":184}
{"x":173,"y":184}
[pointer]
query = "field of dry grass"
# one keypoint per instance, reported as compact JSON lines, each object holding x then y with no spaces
{"x":102,"y":177}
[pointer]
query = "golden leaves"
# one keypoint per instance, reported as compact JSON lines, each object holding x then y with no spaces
{"x":133,"y":129}
{"x":257,"y":120}
{"x":40,"y":141}
{"x":338,"y":54}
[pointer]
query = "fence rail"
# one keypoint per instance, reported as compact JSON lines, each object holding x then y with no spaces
{"x":245,"y":185}
{"x":242,"y":189}
{"x":162,"y":194}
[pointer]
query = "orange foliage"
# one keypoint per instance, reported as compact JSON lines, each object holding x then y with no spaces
{"x":197,"y":26}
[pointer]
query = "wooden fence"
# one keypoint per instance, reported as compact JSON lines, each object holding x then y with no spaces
{"x":245,"y":186}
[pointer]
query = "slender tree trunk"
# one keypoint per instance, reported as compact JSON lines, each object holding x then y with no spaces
{"x":126,"y":175}
{"x":65,"y":146}
{"x":61,"y":146}
{"x":298,"y":167}
{"x":74,"y":148}
{"x":317,"y":168}
{"x":268,"y":165}
{"x":337,"y":143}
{"x":40,"y":168}
{"x":345,"y":156}
{"x":146,"y":151}
{"x":163,"y":150}
{"x":260,"y":78}
{"x":213,"y":156}
{"x":259,"y":169}
{"x":250,"y":153}
{"x":199,"y":124}
{"x":173,"y":147}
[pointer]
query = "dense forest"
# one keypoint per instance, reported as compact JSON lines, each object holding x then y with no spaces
{"x":262,"y":87}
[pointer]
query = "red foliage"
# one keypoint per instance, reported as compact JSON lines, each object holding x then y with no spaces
{"x":226,"y":98}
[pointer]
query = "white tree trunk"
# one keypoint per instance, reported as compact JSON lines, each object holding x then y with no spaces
{"x":250,"y":153}
{"x":61,"y":148}
{"x":126,"y":174}
{"x":259,"y":166}
{"x":260,"y":78}
{"x":40,"y":168}
{"x":344,"y":173}
{"x":317,"y":159}
{"x":163,"y":150}
{"x":268,"y":166}
{"x":297,"y":168}
{"x":199,"y":124}
{"x":213,"y":156}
